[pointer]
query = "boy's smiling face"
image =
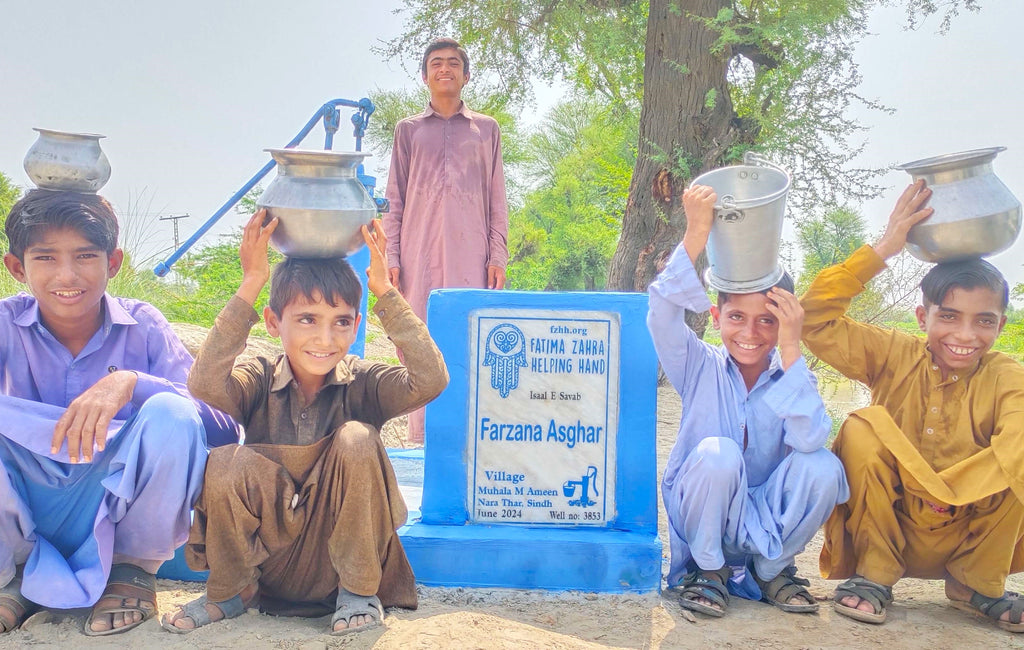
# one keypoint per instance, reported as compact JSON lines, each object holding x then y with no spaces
{"x":68,"y":275}
{"x":315,"y":336}
{"x":749,"y":331}
{"x":963,"y":328}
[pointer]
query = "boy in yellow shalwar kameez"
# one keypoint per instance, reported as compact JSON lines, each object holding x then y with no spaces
{"x":936,"y":463}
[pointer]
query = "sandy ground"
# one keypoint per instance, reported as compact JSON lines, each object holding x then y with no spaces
{"x":496,"y":618}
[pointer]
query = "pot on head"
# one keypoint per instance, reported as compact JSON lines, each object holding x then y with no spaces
{"x":319,"y":202}
{"x":72,"y":162}
{"x":975,"y":214}
{"x":743,"y":246}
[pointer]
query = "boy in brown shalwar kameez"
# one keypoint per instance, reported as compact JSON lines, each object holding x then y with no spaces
{"x":302,"y":519}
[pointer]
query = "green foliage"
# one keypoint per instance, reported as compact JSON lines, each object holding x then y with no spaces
{"x":827,"y":238}
{"x":596,"y":45}
{"x":563,"y":237}
{"x":9,"y":195}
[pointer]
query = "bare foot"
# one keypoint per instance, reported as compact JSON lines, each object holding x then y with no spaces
{"x":347,"y":602}
{"x":102,"y":623}
{"x":854,"y":602}
{"x":183,"y":622}
{"x":8,"y":619}
{"x":355,"y":622}
{"x":961,"y":592}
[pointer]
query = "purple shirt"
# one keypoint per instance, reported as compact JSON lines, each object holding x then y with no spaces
{"x":448,"y":218}
{"x":134,"y":335}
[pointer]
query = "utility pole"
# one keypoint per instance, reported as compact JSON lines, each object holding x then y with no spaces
{"x":174,"y":219}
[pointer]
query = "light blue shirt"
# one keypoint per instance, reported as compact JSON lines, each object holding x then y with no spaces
{"x":781,"y":413}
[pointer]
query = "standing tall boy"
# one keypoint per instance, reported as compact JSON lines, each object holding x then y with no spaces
{"x":101,"y":449}
{"x":936,"y":463}
{"x":748,"y":482}
{"x":448,"y":221}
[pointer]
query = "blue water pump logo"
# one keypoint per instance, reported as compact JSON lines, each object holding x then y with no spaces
{"x":586,"y":483}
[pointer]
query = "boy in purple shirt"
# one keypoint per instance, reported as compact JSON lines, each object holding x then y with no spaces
{"x":102,"y":451}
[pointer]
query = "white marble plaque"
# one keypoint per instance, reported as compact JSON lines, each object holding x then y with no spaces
{"x":543,"y":393}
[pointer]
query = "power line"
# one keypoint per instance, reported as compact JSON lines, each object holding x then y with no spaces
{"x":174,"y":220}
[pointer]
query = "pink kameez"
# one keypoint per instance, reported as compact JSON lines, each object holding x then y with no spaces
{"x":448,"y":219}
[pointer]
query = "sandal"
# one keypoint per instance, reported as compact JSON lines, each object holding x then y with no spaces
{"x":784,"y":587}
{"x":196,"y":610}
{"x":12,"y":600}
{"x":348,"y":604}
{"x":879,"y":596}
{"x":127,"y":582}
{"x":698,"y":584}
{"x":993,"y":608}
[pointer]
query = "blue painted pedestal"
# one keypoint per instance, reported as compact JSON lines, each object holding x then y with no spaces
{"x":617,"y":550}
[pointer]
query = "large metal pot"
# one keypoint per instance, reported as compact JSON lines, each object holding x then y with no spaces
{"x":67,"y":161}
{"x":975,"y":214}
{"x":743,"y":246}
{"x":319,"y":202}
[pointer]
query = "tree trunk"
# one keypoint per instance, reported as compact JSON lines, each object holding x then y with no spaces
{"x":686,"y":127}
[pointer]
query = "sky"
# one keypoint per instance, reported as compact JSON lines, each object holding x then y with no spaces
{"x":190,"y":93}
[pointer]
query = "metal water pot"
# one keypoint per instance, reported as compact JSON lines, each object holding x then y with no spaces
{"x":319,"y":202}
{"x":975,"y":214}
{"x":59,"y":160}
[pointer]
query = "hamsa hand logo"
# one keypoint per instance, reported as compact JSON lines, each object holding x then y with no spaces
{"x":505,"y":353}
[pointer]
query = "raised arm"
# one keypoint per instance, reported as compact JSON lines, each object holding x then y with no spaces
{"x":856,"y":349}
{"x":399,"y":389}
{"x":214,"y":377}
{"x":677,"y":289}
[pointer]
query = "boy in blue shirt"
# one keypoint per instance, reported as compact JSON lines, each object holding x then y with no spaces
{"x":748,"y":482}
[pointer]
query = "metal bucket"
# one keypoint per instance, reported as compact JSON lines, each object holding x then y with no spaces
{"x":743,"y":247}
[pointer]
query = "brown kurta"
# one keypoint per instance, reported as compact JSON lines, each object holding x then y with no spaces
{"x":326,"y":458}
{"x":957,"y":442}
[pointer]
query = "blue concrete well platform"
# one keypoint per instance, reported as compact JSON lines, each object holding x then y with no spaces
{"x":551,"y":394}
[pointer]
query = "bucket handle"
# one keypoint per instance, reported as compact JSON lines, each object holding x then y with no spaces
{"x":753,"y":158}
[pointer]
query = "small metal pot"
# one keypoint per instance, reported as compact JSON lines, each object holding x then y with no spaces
{"x":319,"y":202}
{"x":975,"y":214}
{"x":67,"y":161}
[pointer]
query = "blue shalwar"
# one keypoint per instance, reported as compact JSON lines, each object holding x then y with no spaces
{"x":66,"y":521}
{"x":727,"y":504}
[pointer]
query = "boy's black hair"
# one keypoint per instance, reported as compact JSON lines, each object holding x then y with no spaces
{"x":966,"y":274}
{"x":785,"y":282}
{"x":440,"y":44}
{"x":90,"y":215}
{"x":333,"y":278}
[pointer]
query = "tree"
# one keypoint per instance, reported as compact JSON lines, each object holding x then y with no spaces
{"x":718,"y":77}
{"x":829,"y":236}
{"x":578,"y":161}
{"x":9,"y":195}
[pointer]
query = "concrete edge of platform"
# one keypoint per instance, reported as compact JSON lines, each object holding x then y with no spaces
{"x":522,"y":557}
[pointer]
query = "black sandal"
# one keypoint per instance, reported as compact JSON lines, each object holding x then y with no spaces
{"x":879,"y":596}
{"x":12,"y":600}
{"x":709,"y":585}
{"x":993,"y":608}
{"x":784,"y":587}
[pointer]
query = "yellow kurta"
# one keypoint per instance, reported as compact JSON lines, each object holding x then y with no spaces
{"x":957,"y":442}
